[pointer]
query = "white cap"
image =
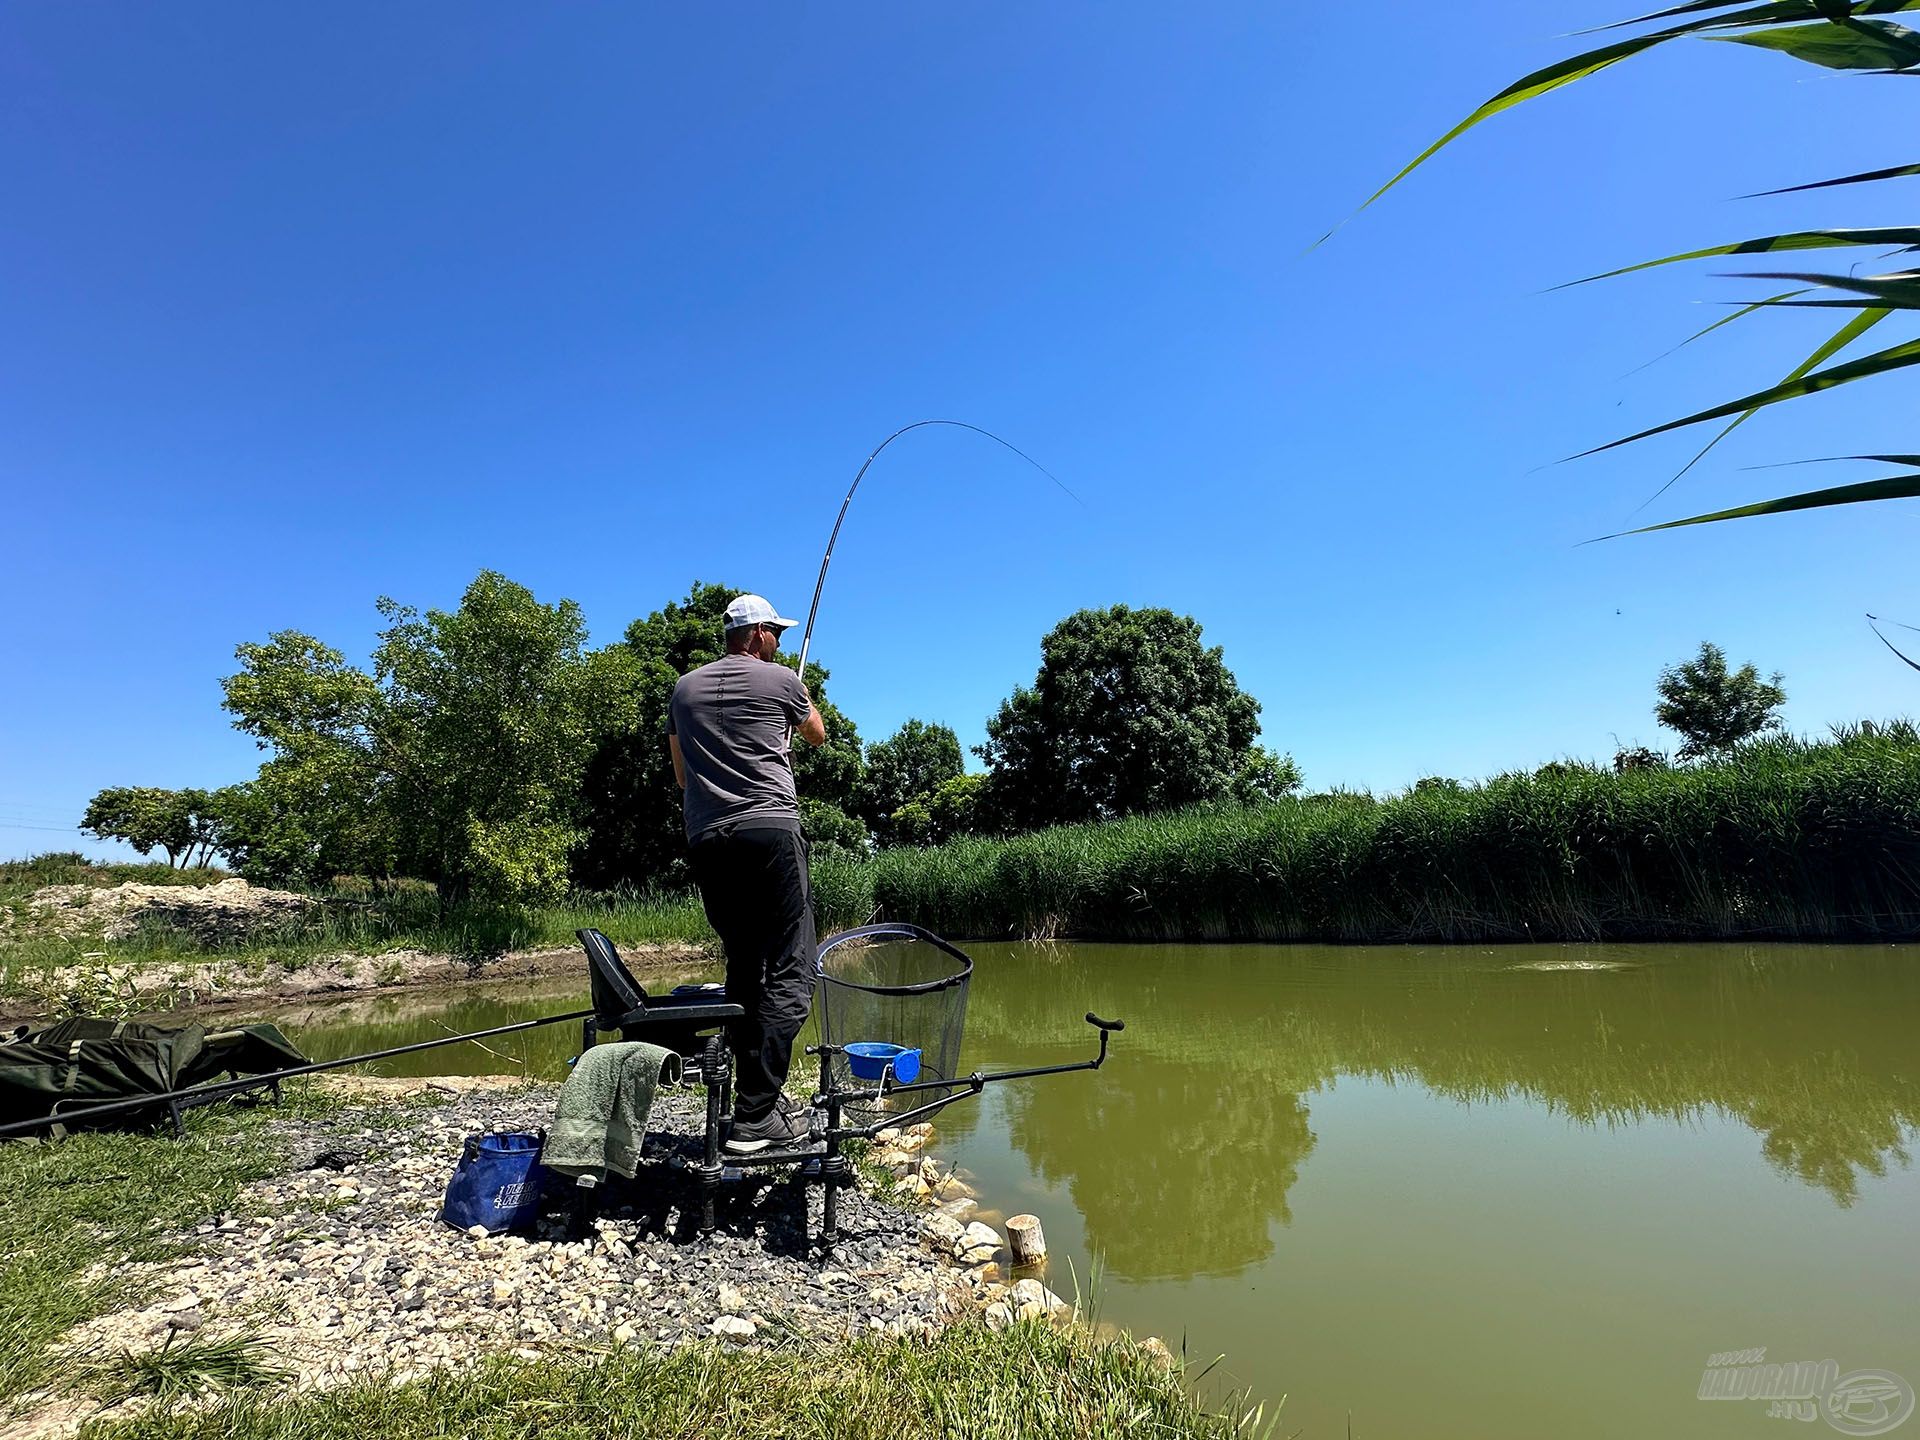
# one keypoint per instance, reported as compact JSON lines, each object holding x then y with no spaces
{"x":745,"y":610}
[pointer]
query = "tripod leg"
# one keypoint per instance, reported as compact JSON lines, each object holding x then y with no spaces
{"x":714,"y":1064}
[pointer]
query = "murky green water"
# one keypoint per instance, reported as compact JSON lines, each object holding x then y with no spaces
{"x":1447,"y":1191}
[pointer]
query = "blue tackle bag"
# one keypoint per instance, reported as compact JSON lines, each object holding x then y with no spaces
{"x":497,"y":1183}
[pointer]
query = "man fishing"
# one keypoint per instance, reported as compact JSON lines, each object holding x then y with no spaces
{"x":729,"y":727}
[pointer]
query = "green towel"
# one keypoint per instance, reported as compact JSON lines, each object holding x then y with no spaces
{"x":601,"y":1120}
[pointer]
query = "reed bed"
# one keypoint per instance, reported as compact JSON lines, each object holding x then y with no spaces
{"x":1785,"y":838}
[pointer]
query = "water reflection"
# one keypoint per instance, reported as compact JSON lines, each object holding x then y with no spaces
{"x":1183,"y":1152}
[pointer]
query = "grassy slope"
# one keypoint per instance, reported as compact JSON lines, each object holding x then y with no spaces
{"x":1031,"y":1382}
{"x":76,"y":1208}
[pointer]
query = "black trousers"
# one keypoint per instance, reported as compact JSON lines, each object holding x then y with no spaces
{"x":753,"y":883}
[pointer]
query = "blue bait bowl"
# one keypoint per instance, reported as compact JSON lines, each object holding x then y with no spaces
{"x":869,"y":1060}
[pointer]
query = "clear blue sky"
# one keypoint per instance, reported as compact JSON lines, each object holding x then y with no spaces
{"x":303,"y":306}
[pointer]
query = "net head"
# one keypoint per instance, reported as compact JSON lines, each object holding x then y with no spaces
{"x":894,"y":987}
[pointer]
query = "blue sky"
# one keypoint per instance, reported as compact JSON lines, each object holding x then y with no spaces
{"x":305,"y":306}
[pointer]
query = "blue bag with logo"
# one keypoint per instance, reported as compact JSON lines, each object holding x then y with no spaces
{"x":497,"y":1183}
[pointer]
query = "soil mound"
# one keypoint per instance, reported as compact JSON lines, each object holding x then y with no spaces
{"x":213,"y":914}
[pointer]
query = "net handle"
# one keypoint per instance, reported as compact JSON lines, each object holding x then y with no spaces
{"x":894,"y":930}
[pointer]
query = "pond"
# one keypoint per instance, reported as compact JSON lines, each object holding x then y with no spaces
{"x":1432,"y":1191}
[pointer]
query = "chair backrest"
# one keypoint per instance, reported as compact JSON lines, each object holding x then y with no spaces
{"x":616,"y":993}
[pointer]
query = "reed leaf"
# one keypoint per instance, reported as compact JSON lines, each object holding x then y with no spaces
{"x":1841,"y":45}
{"x":1906,"y":237}
{"x":1833,"y":344}
{"x":1881,"y":362}
{"x":1865,"y":177}
{"x":1891,"y":646}
{"x":1898,"y":292}
{"x":1895,"y":487}
{"x":1794,"y":10}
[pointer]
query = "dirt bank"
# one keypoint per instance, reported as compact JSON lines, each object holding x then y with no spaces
{"x":107,"y":988}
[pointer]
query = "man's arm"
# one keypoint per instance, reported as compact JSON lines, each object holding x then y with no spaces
{"x":813,"y":729}
{"x":680,"y":761}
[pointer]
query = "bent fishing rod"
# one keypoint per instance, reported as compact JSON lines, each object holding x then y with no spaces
{"x":813,"y":610}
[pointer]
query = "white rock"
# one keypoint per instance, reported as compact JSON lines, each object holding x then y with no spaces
{"x":732,"y":1329}
{"x":977,"y":1243}
{"x":999,"y":1315}
{"x":731,"y":1300}
{"x":478,"y":1232}
{"x":1032,"y":1292}
{"x":942,"y":1231}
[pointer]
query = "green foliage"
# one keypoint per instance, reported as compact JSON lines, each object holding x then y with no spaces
{"x":1779,"y":838}
{"x":1834,"y":35}
{"x":458,"y":760}
{"x":634,"y":834}
{"x":1128,"y":713}
{"x":321,"y":804}
{"x":486,"y":725}
{"x":902,"y":773}
{"x":825,"y":824}
{"x":1713,"y":710}
{"x":1637,"y":757}
{"x":149,"y":819}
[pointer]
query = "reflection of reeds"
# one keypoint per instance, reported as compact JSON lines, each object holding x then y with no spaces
{"x":1786,"y":838}
{"x":1807,"y":1046}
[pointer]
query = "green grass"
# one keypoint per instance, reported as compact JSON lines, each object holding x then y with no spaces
{"x":1032,"y":1382}
{"x":178,"y":1369}
{"x":75,"y":1208}
{"x":1786,"y":839}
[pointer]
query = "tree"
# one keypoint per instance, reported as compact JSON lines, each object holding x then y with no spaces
{"x":149,"y":818}
{"x":1835,"y":35}
{"x":1128,"y":713}
{"x":486,"y":727}
{"x":1715,"y":711}
{"x":458,"y":760}
{"x":631,"y":805}
{"x":907,"y":767}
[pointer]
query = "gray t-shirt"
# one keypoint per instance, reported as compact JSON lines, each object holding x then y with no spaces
{"x":734,"y":718}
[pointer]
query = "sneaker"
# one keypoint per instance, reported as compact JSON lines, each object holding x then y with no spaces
{"x":776,"y":1127}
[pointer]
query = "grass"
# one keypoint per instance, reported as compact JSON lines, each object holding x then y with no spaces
{"x":76,"y":1210}
{"x":1031,"y":1381}
{"x":1786,"y":839}
{"x":184,"y":1369}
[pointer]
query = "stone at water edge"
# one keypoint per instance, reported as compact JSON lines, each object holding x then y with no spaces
{"x":999,"y":1315}
{"x":943,"y":1232}
{"x":976,"y":1243}
{"x":1157,"y":1348}
{"x":1032,"y":1300}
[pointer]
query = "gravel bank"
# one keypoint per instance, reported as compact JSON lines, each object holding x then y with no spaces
{"x":349,"y":1271}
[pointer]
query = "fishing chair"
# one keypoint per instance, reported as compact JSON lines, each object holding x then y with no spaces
{"x":689,"y":1021}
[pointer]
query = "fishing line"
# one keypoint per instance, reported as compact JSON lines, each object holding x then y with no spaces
{"x":806,"y":637}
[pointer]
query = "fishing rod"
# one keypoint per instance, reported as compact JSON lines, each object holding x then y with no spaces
{"x":806,"y":636}
{"x":197,"y":1094}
